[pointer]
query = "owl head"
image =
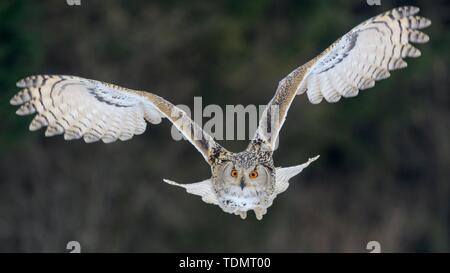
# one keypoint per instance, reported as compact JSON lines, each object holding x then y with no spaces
{"x":244,"y":181}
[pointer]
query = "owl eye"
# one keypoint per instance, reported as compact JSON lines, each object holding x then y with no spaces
{"x":253,"y":174}
{"x":234,"y":173}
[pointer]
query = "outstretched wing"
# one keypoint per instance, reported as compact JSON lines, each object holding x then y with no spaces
{"x":204,"y":189}
{"x":284,"y":174}
{"x":354,"y":62}
{"x":93,"y":110}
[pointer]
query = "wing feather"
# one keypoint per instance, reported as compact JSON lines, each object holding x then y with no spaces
{"x":93,"y":110}
{"x":354,"y":62}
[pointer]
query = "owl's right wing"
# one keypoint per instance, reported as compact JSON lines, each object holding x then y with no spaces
{"x":94,"y":110}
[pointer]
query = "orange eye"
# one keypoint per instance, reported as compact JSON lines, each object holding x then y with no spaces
{"x":234,"y":173}
{"x":253,"y":174}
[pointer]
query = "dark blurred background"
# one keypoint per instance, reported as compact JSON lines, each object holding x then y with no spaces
{"x":384,"y":169}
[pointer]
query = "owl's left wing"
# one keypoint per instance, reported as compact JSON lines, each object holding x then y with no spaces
{"x":354,"y":62}
{"x":284,"y":174}
{"x":94,"y":110}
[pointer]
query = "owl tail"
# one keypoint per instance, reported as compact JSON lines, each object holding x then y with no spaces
{"x":284,"y":174}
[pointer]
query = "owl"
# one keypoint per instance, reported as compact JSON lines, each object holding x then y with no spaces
{"x":240,"y":182}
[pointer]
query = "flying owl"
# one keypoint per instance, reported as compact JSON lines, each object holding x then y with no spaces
{"x":93,"y":110}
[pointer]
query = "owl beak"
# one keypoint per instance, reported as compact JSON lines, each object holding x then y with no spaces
{"x":242,"y":184}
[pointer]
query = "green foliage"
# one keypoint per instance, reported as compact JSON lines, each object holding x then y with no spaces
{"x":19,"y":52}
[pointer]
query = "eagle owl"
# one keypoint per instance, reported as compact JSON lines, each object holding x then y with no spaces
{"x":94,"y":110}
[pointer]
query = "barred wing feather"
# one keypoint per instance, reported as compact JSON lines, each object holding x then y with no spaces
{"x":94,"y":110}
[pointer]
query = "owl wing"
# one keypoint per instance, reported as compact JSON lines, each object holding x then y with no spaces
{"x":354,"y":62}
{"x":204,"y":189}
{"x":284,"y":174}
{"x":94,"y":110}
